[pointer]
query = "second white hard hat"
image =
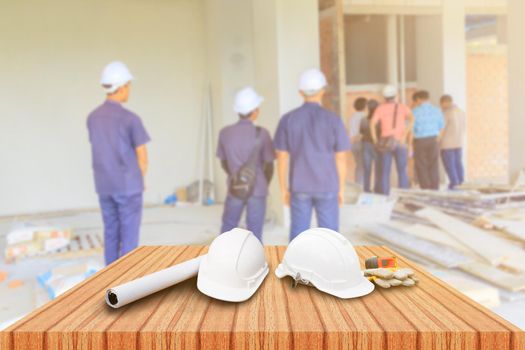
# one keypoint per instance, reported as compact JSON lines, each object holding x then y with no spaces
{"x":234,"y":267}
{"x":312,"y":81}
{"x":115,"y":75}
{"x":389,"y":91}
{"x":326,"y":260}
{"x":246,"y":101}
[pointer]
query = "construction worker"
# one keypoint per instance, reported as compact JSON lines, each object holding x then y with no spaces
{"x":370,"y":157}
{"x":354,"y":123}
{"x":395,"y":120}
{"x":451,"y":141}
{"x":428,"y":123}
{"x":243,"y":145}
{"x":118,"y":147}
{"x":312,"y":145}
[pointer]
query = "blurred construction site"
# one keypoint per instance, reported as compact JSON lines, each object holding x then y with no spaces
{"x":190,"y":58}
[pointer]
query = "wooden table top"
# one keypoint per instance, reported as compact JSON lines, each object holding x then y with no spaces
{"x":429,"y":316}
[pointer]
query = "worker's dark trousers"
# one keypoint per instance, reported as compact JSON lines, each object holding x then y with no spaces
{"x":122,"y":215}
{"x":255,"y":214}
{"x":426,"y":156}
{"x":453,"y":163}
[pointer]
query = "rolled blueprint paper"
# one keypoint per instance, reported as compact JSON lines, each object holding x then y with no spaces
{"x":129,"y":292}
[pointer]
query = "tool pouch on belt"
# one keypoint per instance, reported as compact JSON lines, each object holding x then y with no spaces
{"x":388,"y":143}
{"x":242,"y":182}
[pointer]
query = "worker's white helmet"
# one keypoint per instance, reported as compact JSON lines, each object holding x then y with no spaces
{"x":389,"y":91}
{"x":234,"y":267}
{"x":246,"y":101}
{"x":312,"y":81}
{"x":115,"y":75}
{"x":326,"y":260}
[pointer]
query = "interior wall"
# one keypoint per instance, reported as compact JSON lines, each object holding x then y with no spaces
{"x":51,"y":57}
{"x":487,"y":122}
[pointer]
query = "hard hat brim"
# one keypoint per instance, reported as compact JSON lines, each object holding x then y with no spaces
{"x":221,"y":292}
{"x":363,"y":288}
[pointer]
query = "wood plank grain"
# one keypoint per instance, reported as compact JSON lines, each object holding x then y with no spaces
{"x":94,"y":318}
{"x":485,"y":320}
{"x":262,"y":321}
{"x":429,"y":316}
{"x":30,"y":332}
{"x":437,"y":327}
{"x":492,"y":332}
{"x":306,"y":327}
{"x":126,"y":328}
{"x":173,"y":303}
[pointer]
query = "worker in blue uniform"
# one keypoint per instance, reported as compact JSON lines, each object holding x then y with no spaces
{"x":238,"y":143}
{"x":119,"y":158}
{"x":312,"y":145}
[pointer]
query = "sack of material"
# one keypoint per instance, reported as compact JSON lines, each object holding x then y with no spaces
{"x":242,"y":182}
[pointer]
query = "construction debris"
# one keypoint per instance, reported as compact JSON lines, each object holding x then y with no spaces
{"x":479,"y":241}
{"x":192,"y":193}
{"x":478,"y":230}
{"x":495,"y":276}
{"x":60,"y":279}
{"x":30,"y":242}
{"x":440,"y":255}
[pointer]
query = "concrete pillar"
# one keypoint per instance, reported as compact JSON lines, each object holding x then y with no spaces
{"x":332,"y":54}
{"x":441,"y":52}
{"x":454,"y":51}
{"x":516,"y":57}
{"x":429,"y":52}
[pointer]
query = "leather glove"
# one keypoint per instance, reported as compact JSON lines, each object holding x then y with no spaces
{"x":386,"y":278}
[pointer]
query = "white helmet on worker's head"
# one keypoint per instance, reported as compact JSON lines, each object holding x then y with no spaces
{"x":246,"y":101}
{"x":312,"y":81}
{"x":326,"y":260}
{"x":389,"y":91}
{"x":234,"y":267}
{"x":115,"y":75}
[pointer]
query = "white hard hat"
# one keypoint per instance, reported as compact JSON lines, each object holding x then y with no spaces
{"x":312,"y":81}
{"x":246,"y":101}
{"x":389,"y":91}
{"x":115,"y":75}
{"x":326,"y":260}
{"x":234,"y":267}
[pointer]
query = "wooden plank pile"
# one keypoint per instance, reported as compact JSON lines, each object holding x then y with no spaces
{"x":478,"y":230}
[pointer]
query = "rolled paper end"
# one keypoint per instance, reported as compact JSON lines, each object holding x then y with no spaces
{"x":111,"y":298}
{"x":131,"y":291}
